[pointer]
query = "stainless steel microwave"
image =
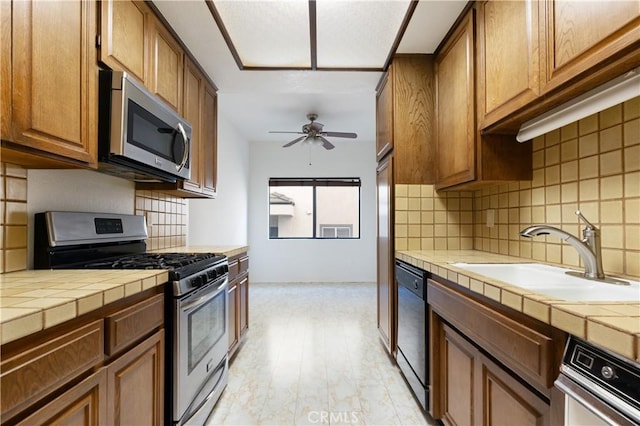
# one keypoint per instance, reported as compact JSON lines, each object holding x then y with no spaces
{"x":139,"y":137}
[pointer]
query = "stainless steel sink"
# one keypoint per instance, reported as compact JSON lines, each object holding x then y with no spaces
{"x":554,"y":282}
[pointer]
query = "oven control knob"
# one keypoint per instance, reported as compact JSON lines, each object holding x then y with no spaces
{"x":608,"y":372}
{"x":195,"y":282}
{"x":203,"y":279}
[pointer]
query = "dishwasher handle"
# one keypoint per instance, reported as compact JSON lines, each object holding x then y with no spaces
{"x":411,"y":278}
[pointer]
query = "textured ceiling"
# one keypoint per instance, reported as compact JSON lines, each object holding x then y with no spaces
{"x":258,"y":101}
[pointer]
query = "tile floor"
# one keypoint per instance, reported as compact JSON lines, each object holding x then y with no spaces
{"x":313,"y":356}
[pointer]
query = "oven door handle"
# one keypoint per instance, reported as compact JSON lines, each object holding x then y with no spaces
{"x":201,"y":300}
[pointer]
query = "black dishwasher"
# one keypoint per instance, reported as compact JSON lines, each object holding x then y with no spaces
{"x":412,"y":329}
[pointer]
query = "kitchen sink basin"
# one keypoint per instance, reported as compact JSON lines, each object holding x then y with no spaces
{"x":554,"y":282}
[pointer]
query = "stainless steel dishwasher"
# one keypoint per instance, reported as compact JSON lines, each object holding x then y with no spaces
{"x":412,"y":329}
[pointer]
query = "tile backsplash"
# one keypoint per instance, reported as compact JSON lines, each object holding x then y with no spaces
{"x":592,"y":165}
{"x":166,"y":218}
{"x":13,"y":218}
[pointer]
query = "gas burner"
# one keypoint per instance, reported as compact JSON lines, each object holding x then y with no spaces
{"x":169,"y":261}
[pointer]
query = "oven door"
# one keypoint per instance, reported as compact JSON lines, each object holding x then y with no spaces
{"x":200,"y":348}
{"x":593,"y":407}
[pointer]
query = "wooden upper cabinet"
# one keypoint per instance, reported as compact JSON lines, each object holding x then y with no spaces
{"x":384,"y":116}
{"x":581,"y":35}
{"x":166,"y":65}
{"x":455,"y":107}
{"x":209,"y":135}
{"x":199,"y":108}
{"x":123,"y":36}
{"x":508,"y":57}
{"x":53,"y":93}
{"x":192,"y":112}
{"x":404,"y":118}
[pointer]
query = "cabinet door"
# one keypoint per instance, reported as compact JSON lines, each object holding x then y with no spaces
{"x":502,"y":400}
{"x":508,"y":57}
{"x":458,"y":372}
{"x":209,"y":134}
{"x":584,"y":34}
{"x":82,"y":405}
{"x":5,"y":70}
{"x":232,"y":315}
{"x":243,"y":287}
{"x":123,"y":35}
{"x":192,"y":112}
{"x":136,"y":385}
{"x":455,"y":108}
{"x":385,"y":285}
{"x":54,"y":100}
{"x":166,"y":65}
{"x":384,"y":116}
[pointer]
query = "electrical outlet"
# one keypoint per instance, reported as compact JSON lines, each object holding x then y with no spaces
{"x":491,"y":218}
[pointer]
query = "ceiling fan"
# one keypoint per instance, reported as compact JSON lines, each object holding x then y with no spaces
{"x":313,"y":132}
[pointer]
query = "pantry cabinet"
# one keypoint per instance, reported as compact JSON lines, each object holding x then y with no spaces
{"x":490,"y":365}
{"x":238,"y":295}
{"x":385,"y":288}
{"x":50,"y":93}
{"x":466,"y":158}
{"x":509,"y":64}
{"x":105,"y":367}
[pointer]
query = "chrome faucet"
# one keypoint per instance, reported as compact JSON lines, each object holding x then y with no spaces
{"x":588,"y":247}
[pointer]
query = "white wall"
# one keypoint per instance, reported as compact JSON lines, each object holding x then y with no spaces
{"x":223,"y":220}
{"x":312,"y":260}
{"x":75,"y":190}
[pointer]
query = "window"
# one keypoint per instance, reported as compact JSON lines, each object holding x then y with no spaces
{"x":322,"y":208}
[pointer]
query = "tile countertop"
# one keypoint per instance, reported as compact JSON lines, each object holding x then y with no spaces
{"x":228,"y":251}
{"x":33,"y":300}
{"x":612,"y":325}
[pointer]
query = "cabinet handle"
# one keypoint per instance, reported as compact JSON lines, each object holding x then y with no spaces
{"x":185,"y":141}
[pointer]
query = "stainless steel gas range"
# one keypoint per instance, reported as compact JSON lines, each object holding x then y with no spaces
{"x":196,"y":299}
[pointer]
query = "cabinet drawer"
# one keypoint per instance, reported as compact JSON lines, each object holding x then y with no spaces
{"x":43,"y":368}
{"x":522,"y":349}
{"x":133,"y":323}
{"x":243,"y":264}
{"x":234,"y":268}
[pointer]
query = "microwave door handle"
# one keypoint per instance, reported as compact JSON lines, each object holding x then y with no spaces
{"x":185,"y":141}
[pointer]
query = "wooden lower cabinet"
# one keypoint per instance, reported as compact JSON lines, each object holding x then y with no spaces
{"x":135,"y":385}
{"x":238,"y":296}
{"x":476,"y":391}
{"x":489,"y":366}
{"x":83,"y":404}
{"x":106,"y":368}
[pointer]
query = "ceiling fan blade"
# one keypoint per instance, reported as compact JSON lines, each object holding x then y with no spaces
{"x":325,"y":143}
{"x":340,"y":135}
{"x":296,"y":140}
{"x":277,"y":131}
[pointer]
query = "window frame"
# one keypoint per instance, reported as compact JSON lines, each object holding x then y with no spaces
{"x":315,"y":183}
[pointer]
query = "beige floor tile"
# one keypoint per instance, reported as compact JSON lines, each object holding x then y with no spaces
{"x":313,"y":356}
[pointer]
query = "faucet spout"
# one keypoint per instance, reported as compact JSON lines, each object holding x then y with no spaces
{"x":592,"y":261}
